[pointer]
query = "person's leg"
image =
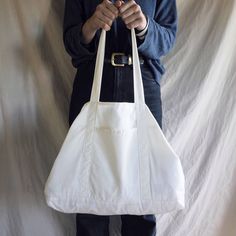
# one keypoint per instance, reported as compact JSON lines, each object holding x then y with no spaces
{"x":138,"y":225}
{"x":92,"y":225}
{"x":141,"y":225}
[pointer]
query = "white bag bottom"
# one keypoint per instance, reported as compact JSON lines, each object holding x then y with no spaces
{"x":105,"y":207}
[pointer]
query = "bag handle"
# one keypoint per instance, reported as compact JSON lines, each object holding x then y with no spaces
{"x":137,"y":77}
{"x":140,"y":110}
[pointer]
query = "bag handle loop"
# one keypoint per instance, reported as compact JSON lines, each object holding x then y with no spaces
{"x":137,"y":77}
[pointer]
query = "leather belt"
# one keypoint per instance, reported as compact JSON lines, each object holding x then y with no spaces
{"x":120,"y":59}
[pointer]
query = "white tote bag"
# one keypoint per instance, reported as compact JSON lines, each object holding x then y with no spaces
{"x":115,"y":158}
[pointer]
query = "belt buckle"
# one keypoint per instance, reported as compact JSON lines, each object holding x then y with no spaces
{"x":130,"y":60}
{"x":113,"y":59}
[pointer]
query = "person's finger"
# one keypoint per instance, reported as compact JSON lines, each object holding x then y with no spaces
{"x":100,"y":15}
{"x":126,"y":6}
{"x":134,"y":24}
{"x":109,"y":5}
{"x":132,"y":18}
{"x":102,"y":24}
{"x":106,"y":12}
{"x":133,"y":9}
{"x":119,"y":3}
{"x":102,"y":8}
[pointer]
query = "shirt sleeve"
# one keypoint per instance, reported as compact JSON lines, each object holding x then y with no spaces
{"x":73,"y":21}
{"x":161,"y":33}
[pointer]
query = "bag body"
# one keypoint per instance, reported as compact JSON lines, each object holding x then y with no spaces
{"x":115,"y":158}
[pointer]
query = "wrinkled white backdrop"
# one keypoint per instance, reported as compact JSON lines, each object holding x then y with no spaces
{"x":199,"y":116}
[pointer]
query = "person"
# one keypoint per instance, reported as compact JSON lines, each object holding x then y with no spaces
{"x":155,"y":24}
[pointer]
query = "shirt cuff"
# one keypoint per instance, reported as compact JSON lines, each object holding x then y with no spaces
{"x":141,"y":34}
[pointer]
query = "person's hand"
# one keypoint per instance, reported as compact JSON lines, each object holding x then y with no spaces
{"x":103,"y":17}
{"x":132,"y":14}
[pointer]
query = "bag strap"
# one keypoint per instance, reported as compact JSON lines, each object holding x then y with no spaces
{"x":144,"y":150}
{"x":97,"y":80}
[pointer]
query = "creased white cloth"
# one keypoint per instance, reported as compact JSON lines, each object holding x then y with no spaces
{"x":199,"y":116}
{"x":115,"y":158}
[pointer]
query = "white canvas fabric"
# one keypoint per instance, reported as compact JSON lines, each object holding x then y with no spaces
{"x":115,"y":158}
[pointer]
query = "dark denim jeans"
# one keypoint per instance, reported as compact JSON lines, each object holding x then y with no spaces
{"x":117,"y":86}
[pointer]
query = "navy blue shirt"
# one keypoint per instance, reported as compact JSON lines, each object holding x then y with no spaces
{"x":159,"y":39}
